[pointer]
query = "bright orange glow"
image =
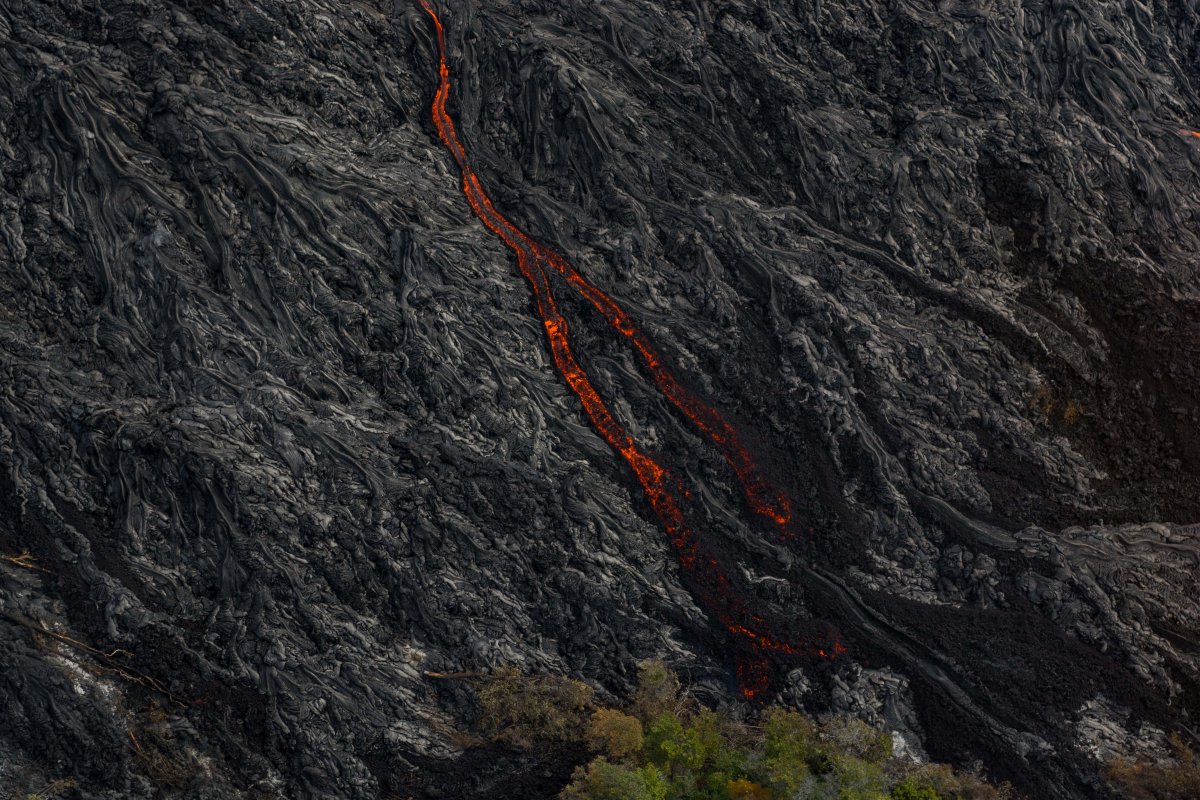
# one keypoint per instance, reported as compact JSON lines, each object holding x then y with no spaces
{"x":662,"y":490}
{"x":762,"y":497}
{"x":1186,"y":132}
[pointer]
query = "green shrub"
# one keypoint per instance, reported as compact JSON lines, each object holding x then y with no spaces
{"x":602,"y":780}
{"x":706,"y":726}
{"x":657,"y":691}
{"x":787,"y":750}
{"x":950,"y":784}
{"x":857,"y":738}
{"x":911,"y":789}
{"x":671,"y":746}
{"x":856,"y":778}
{"x":527,"y":711}
{"x":614,"y":733}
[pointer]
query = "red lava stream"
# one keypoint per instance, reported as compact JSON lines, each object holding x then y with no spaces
{"x":663,"y":491}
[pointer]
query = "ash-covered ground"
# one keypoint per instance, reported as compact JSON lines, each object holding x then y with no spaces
{"x":280,"y":431}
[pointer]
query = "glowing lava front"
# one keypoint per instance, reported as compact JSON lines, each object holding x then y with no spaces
{"x":663,"y":491}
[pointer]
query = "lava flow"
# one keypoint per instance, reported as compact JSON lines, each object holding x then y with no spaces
{"x":762,"y":497}
{"x":663,"y":491}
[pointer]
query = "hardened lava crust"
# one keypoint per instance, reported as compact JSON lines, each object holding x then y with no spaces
{"x":841,"y":355}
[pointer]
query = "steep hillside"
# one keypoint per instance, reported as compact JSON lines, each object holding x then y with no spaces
{"x":285,"y":422}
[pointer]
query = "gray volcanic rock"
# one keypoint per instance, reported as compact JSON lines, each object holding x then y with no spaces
{"x":281,"y":433}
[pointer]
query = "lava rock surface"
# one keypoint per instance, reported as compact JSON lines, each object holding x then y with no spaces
{"x":281,"y":433}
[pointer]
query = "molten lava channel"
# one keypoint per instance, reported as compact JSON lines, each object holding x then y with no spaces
{"x":663,"y":491}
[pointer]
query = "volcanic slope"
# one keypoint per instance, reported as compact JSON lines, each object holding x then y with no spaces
{"x":281,"y":429}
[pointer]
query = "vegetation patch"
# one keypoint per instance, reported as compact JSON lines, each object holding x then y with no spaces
{"x":667,"y":746}
{"x":1141,"y":779}
{"x":528,"y":711}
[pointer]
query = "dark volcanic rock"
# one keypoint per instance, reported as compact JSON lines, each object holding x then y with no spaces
{"x":278,"y":425}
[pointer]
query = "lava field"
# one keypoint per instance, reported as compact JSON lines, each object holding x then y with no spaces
{"x":844,"y":356}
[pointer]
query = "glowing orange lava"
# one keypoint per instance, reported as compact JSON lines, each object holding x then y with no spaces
{"x":662,"y":490}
